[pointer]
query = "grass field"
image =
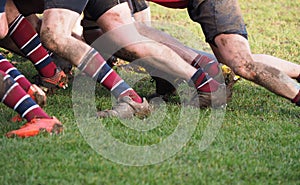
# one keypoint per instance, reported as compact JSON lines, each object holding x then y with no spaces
{"x":258,"y":142}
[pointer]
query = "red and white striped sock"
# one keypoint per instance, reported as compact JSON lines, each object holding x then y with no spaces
{"x":96,"y":67}
{"x":16,"y":98}
{"x":27,"y":39}
{"x":8,"y":68}
{"x":209,"y":65}
{"x":203,"y":82}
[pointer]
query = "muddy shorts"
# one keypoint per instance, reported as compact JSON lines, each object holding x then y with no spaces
{"x":74,"y":5}
{"x":217,"y":17}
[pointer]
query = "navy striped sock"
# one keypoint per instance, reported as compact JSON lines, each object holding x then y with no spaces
{"x":96,"y":67}
{"x":8,"y":68}
{"x":27,"y":39}
{"x":16,"y":98}
{"x":203,"y":82}
{"x":209,"y":65}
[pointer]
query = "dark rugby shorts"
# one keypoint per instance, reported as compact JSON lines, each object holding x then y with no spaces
{"x":73,"y":5}
{"x":95,"y":8}
{"x":217,"y":17}
{"x":29,"y":7}
{"x":137,"y":5}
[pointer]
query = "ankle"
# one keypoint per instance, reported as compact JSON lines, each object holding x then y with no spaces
{"x":212,"y":68}
{"x":210,"y":86}
{"x":296,"y":100}
{"x":203,"y":82}
{"x":298,"y":78}
{"x":133,"y":95}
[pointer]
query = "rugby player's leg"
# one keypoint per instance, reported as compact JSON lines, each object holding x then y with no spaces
{"x":27,"y":39}
{"x":230,"y":45}
{"x":118,"y":18}
{"x":13,"y":96}
{"x":56,"y":32}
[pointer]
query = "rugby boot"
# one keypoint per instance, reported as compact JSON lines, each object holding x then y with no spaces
{"x":36,"y":126}
{"x":216,"y":99}
{"x":127,"y":108}
{"x":58,"y":80}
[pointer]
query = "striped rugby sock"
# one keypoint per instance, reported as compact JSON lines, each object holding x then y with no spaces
{"x":8,"y":68}
{"x":209,"y":65}
{"x":203,"y":82}
{"x":96,"y":67}
{"x":16,"y":98}
{"x":27,"y":39}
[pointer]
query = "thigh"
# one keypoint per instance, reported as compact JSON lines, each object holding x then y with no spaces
{"x":58,"y":22}
{"x":119,"y":28}
{"x":217,"y":17}
{"x":117,"y":16}
{"x":60,"y":16}
{"x":56,"y":34}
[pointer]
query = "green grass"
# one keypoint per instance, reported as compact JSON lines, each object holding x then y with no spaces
{"x":258,"y":143}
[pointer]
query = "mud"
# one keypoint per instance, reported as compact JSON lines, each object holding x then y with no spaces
{"x":223,"y":42}
{"x":127,"y":55}
{"x":114,"y":17}
{"x":271,"y":78}
{"x":66,"y":47}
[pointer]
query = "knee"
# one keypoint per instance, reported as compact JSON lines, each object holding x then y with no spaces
{"x":246,"y":69}
{"x":50,"y":39}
